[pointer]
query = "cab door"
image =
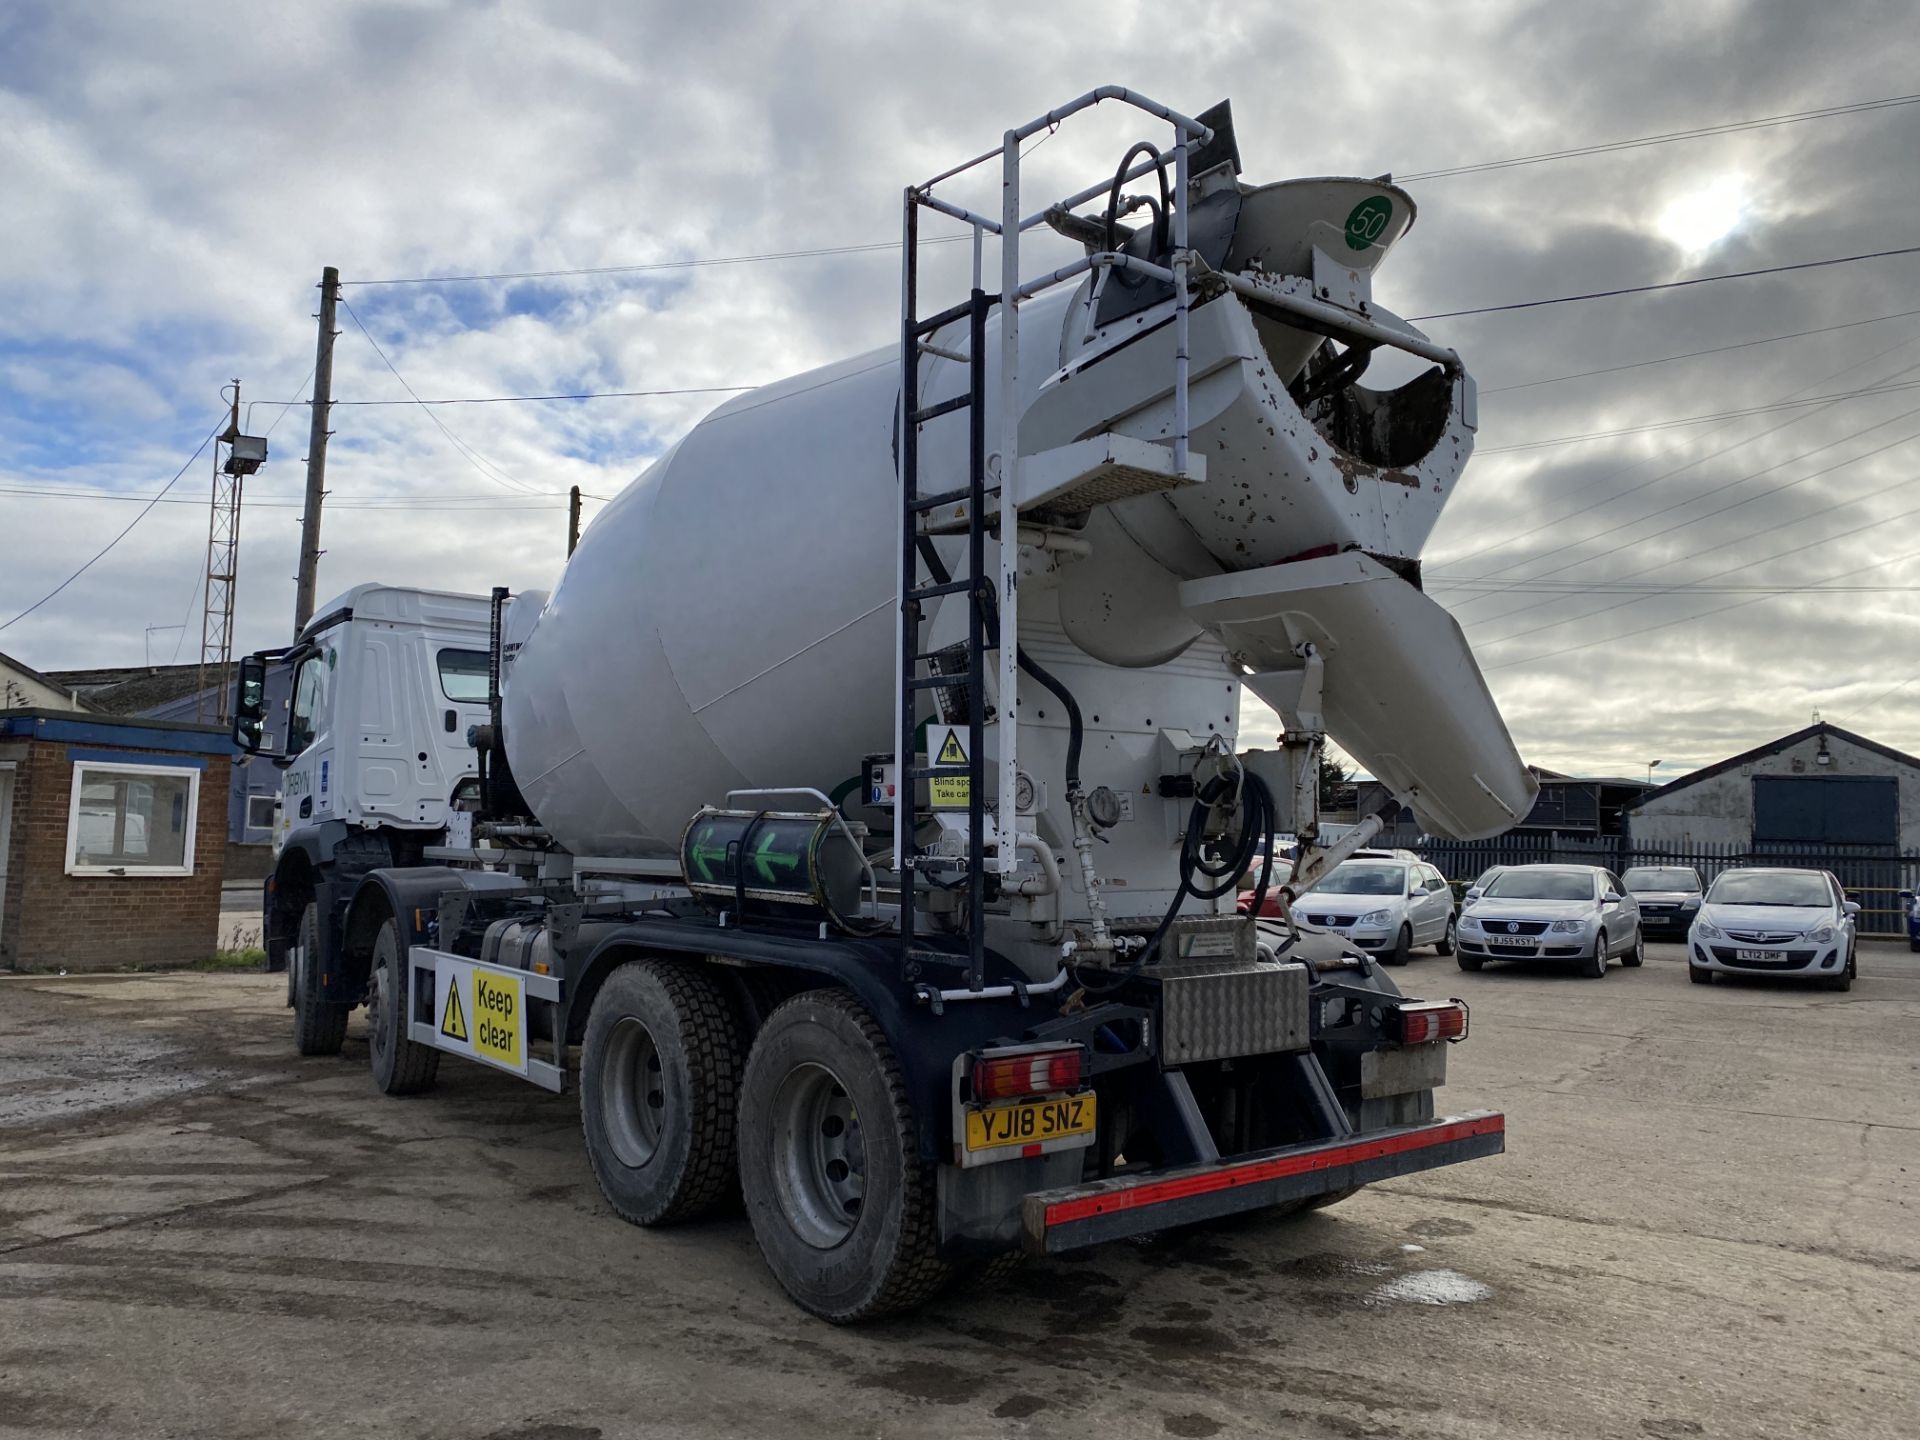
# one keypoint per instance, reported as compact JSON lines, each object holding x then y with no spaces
{"x":307,"y":789}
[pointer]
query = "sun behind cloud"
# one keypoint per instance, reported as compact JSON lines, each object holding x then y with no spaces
{"x":1702,"y":217}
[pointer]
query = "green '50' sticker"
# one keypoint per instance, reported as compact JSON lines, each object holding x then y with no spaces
{"x":1368,"y":221}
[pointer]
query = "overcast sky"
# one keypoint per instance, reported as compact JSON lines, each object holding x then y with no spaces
{"x":172,"y":180}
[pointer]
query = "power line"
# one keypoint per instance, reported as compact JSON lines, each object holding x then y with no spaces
{"x":1687,"y":619}
{"x":473,"y":457}
{"x":1765,"y":530}
{"x":1669,"y":284}
{"x":1731,"y":127}
{"x":98,"y":554}
{"x":1693,"y":354}
{"x":1509,"y":541}
{"x":693,"y":264}
{"x":492,"y":500}
{"x":583,"y":395}
{"x":1683,"y":420}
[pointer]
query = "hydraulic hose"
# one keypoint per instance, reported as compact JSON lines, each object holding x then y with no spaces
{"x":1159,"y":236}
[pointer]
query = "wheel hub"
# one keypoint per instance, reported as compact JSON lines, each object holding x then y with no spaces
{"x":820,"y":1156}
{"x":636,"y":1093}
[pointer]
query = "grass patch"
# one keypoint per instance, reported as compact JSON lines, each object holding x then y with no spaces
{"x":251,"y":957}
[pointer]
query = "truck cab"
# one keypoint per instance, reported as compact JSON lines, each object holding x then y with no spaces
{"x":387,"y":681}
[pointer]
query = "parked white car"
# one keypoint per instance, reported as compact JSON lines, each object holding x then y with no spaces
{"x":1579,"y":914}
{"x":1796,"y":923}
{"x":1385,"y":905}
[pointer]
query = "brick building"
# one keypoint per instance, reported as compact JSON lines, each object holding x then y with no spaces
{"x":112,"y":840}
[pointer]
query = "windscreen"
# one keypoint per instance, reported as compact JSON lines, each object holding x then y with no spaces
{"x":1365,"y":878}
{"x":1644,"y":878}
{"x":1758,"y":887}
{"x":1541,"y":885}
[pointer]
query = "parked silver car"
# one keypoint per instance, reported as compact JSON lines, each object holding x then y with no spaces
{"x":1757,"y":921}
{"x":1580,"y":914}
{"x":1386,"y":906}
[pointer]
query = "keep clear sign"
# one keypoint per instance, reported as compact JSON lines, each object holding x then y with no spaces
{"x":481,"y":1013}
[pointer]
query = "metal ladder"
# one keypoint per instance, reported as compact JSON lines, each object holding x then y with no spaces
{"x":1106,"y":465}
{"x":924,"y":577}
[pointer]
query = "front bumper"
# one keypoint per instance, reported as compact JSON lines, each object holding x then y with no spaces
{"x":1538,"y":947}
{"x":1799,"y":961}
{"x":1065,"y":1219}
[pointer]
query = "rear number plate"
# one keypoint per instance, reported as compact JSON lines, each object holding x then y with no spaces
{"x":1759,"y":957}
{"x":1030,"y":1122}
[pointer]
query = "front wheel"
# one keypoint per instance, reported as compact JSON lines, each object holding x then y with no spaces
{"x":1447,"y":939}
{"x":840,"y":1200}
{"x":1637,"y":956}
{"x":319,"y":1027}
{"x":659,"y":1085}
{"x":1402,"y":947}
{"x":1700,"y":975}
{"x":1597,"y":962}
{"x":1469,"y":962}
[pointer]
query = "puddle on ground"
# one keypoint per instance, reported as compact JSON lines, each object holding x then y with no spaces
{"x":1432,"y":1287}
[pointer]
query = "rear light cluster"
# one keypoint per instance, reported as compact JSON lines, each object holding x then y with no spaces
{"x":1421,"y":1021}
{"x":1031,"y":1072}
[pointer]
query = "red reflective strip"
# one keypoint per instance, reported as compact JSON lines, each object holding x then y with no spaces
{"x":1158,"y":1192}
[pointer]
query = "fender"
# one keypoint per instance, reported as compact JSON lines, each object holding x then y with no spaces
{"x":412,"y":893}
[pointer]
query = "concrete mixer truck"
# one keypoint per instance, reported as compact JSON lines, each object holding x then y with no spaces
{"x":859,"y":822}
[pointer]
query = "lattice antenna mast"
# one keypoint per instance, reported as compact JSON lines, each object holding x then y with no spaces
{"x":235,"y":456}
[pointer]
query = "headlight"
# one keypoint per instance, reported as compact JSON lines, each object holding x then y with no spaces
{"x":1822,"y":935}
{"x":1375,"y":917}
{"x":1569,"y":927}
{"x":1469,"y":922}
{"x":1706,"y":931}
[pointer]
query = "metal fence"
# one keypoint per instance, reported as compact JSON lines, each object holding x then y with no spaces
{"x":1869,"y":874}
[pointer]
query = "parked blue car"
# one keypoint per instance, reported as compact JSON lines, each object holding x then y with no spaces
{"x":1913,"y":919}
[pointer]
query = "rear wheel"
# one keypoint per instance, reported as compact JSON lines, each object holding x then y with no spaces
{"x":1402,"y":947}
{"x":1447,"y":939}
{"x":1597,"y":962}
{"x":1637,"y":956}
{"x":401,"y":1066}
{"x":659,"y":1084}
{"x":841,"y":1202}
{"x":319,"y":1027}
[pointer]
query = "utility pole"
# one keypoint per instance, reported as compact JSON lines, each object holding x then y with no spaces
{"x":316,"y":453}
{"x":573,"y":519}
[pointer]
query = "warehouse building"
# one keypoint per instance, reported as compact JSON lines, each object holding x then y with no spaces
{"x":1821,"y":786}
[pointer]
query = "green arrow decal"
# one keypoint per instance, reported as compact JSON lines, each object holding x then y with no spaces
{"x":764,"y":862}
{"x":705,"y":856}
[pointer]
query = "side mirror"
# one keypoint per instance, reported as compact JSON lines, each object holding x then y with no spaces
{"x":1852,"y":907}
{"x":250,"y":705}
{"x":1612,"y":897}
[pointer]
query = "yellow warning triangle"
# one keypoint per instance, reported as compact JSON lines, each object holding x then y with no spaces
{"x":951,"y":753}
{"x":454,"y":1022}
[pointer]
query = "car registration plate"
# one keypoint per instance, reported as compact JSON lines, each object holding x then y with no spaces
{"x":1030,"y":1122}
{"x":1510,"y":944}
{"x":1760,"y":957}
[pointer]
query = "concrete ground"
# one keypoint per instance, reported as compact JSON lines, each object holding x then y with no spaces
{"x":1707,"y":1224}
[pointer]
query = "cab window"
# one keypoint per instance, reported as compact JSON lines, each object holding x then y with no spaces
{"x":309,"y":703}
{"x":463,"y":674}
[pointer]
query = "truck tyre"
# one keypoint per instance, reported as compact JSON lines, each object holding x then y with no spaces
{"x":1448,"y":938}
{"x":1596,"y":966}
{"x":841,"y":1201}
{"x":401,"y":1066}
{"x":659,"y":1081}
{"x":1402,"y":948}
{"x":319,"y":1026}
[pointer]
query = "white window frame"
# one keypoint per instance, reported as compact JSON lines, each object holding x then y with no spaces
{"x":132,"y":872}
{"x":273,"y":802}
